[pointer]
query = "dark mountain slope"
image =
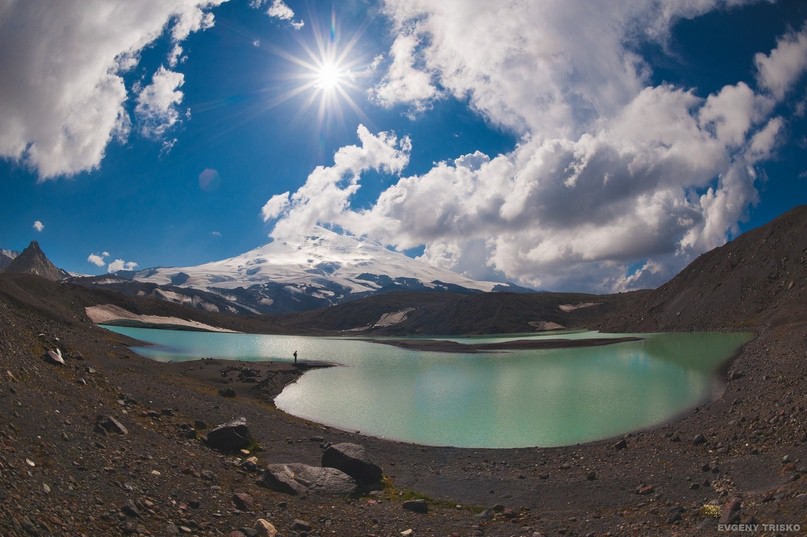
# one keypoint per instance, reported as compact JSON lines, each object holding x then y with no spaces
{"x":33,"y":260}
{"x":758,"y":279}
{"x":65,"y":302}
{"x":448,"y":314}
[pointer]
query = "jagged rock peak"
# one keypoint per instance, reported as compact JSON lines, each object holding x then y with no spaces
{"x":33,"y":260}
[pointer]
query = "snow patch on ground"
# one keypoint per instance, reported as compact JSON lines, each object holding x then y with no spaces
{"x":567,"y":308}
{"x":109,"y":312}
{"x":392,"y":318}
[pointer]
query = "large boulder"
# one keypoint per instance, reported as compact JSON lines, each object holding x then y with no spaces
{"x":352,"y":459}
{"x":230,"y":436}
{"x":297,"y":478}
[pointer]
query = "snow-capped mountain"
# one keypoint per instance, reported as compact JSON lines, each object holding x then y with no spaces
{"x":6,"y":257}
{"x":315,"y":270}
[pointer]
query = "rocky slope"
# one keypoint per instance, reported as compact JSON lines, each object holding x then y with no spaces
{"x":758,"y":279}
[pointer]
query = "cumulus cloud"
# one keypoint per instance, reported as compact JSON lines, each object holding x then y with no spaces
{"x":615,"y":183}
{"x":326,"y":194}
{"x":402,"y":83}
{"x":778,"y":70}
{"x":39,"y":226}
{"x":97,"y":259}
{"x":62,"y":95}
{"x":157,"y":103}
{"x":120,"y":264}
{"x":279,"y":10}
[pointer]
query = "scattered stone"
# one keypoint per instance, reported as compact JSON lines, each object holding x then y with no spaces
{"x":55,"y":356}
{"x":265,"y":528}
{"x":698,"y":439}
{"x":645,"y":490}
{"x":130,"y":509}
{"x":243,"y":501}
{"x":296,"y":478}
{"x":250,"y":464}
{"x":622,"y":444}
{"x":109,"y":425}
{"x":731,"y":512}
{"x":352,"y":460}
{"x":227,"y":392}
{"x":408,"y":533}
{"x":416,"y":506}
{"x":591,"y":476}
{"x":300,"y":525}
{"x":230,"y":436}
{"x":236,"y":533}
{"x":675,"y":514}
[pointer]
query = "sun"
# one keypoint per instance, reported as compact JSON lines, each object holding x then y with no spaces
{"x":328,"y":72}
{"x":329,"y":77}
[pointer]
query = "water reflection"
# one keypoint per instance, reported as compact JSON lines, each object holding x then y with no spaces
{"x":499,"y":399}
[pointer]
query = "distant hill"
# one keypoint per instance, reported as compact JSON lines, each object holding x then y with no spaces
{"x":33,"y":260}
{"x":759,"y":278}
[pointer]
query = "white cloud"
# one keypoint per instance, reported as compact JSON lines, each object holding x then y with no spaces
{"x":62,"y":93}
{"x":278,"y":9}
{"x":97,"y":259}
{"x":157,"y":103}
{"x":39,"y":226}
{"x":402,"y":82}
{"x":327,"y":192}
{"x":120,"y":264}
{"x":780,"y":69}
{"x":610,"y":172}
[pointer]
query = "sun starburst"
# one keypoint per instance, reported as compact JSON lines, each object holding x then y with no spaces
{"x":327,"y":73}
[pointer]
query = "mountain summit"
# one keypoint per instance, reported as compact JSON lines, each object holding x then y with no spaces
{"x":314,"y":270}
{"x":33,"y":260}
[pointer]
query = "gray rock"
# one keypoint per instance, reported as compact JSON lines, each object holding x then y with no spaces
{"x":416,"y":506}
{"x":352,"y":460}
{"x":300,"y":525}
{"x":243,"y":501}
{"x":230,"y":436}
{"x":264,"y":528}
{"x":296,"y":478}
{"x":55,"y":356}
{"x":109,"y":425}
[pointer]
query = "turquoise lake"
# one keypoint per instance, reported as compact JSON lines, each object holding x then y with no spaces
{"x":502,"y":399}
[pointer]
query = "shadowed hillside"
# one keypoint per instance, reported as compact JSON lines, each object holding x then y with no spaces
{"x":757,"y":279}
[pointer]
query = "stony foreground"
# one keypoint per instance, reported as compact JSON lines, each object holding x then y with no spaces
{"x":112,"y":444}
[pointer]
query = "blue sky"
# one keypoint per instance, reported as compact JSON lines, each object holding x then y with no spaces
{"x":546,"y":143}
